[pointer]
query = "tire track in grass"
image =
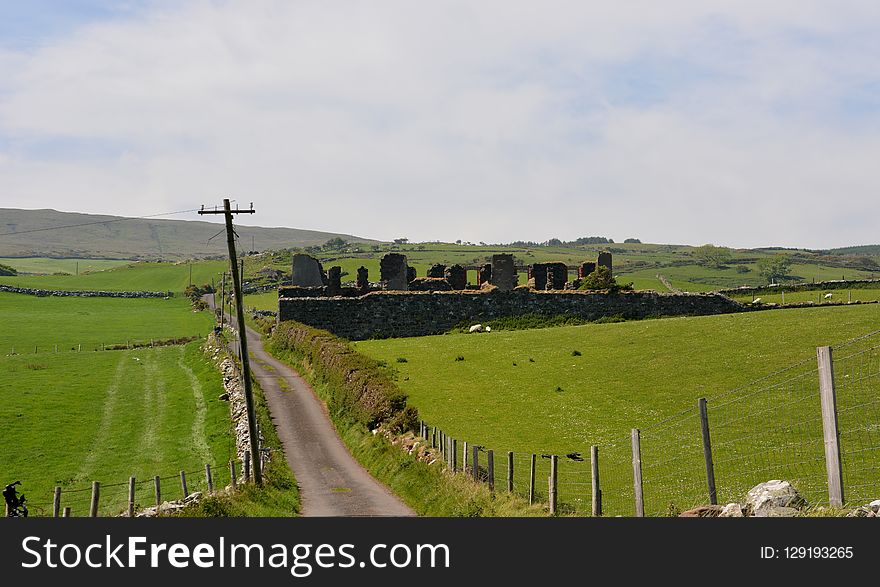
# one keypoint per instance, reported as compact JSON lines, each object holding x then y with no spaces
{"x":103,"y":434}
{"x":199,"y":440}
{"x":152,"y":409}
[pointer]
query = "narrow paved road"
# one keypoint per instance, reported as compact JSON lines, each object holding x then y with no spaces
{"x":331,"y":481}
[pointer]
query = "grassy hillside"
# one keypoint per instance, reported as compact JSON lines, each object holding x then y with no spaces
{"x":22,"y":235}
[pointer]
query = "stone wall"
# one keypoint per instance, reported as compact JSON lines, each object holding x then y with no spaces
{"x":86,"y":294}
{"x":397,"y":314}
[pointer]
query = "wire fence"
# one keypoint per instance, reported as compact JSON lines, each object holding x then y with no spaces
{"x":113,"y":499}
{"x":78,"y":347}
{"x":716,"y":451}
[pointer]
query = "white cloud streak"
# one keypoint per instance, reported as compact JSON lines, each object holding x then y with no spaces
{"x":724,"y":122}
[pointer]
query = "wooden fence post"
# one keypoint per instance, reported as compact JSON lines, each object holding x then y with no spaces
{"x":509,"y":472}
{"x":475,"y":463}
{"x":56,"y":503}
{"x":131,"y":482}
{"x":828,"y":396}
{"x":637,"y":473}
{"x":232,"y":474}
{"x":209,"y":478}
{"x":707,"y":451}
{"x":454,"y":455}
{"x":66,"y":513}
{"x":183,"y":484}
{"x":554,"y":473}
{"x":490,"y":467}
{"x":96,"y":494}
{"x":464,"y":457}
{"x":532,"y":479}
{"x":596,"y":487}
{"x":158,"y":491}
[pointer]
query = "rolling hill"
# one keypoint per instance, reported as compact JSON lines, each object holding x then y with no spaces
{"x":50,"y":233}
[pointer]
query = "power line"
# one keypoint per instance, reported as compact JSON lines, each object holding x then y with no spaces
{"x":96,"y":222}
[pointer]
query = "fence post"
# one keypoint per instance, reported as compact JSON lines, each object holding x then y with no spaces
{"x":56,"y":502}
{"x":209,"y":478}
{"x":828,"y":398}
{"x":66,"y":513}
{"x":96,"y":494}
{"x":232,"y":474}
{"x":554,"y":472}
{"x":464,"y":457}
{"x":183,"y":484}
{"x":594,"y":475}
{"x":434,"y":437}
{"x":637,"y":473}
{"x":454,"y":455}
{"x":131,"y":482}
{"x":532,"y":480}
{"x":490,"y":467}
{"x":509,"y":472}
{"x":247,"y":466}
{"x":475,"y":462}
{"x":707,"y":451}
{"x":158,"y":491}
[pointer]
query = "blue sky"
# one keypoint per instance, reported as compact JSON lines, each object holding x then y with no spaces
{"x":738,"y":123}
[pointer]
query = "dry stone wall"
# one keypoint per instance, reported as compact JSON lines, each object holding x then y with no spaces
{"x":397,"y":314}
{"x":86,"y":294}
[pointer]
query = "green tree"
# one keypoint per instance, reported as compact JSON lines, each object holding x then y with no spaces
{"x":712,"y":256}
{"x":335,"y":243}
{"x":602,"y":278}
{"x":774,"y":268}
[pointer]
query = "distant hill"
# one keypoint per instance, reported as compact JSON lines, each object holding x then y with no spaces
{"x":870,"y":250}
{"x":22,"y":234}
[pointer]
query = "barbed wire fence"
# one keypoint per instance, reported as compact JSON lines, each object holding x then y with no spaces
{"x":787,"y":425}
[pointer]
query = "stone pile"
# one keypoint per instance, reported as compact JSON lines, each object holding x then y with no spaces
{"x":772,"y":499}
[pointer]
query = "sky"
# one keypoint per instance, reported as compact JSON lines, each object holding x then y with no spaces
{"x":740,"y":123}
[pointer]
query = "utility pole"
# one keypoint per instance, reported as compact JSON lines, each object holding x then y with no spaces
{"x":242,"y":336}
{"x":222,"y":301}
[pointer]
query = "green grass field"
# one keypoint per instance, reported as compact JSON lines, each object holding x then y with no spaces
{"x":130,"y":277}
{"x":529,"y":392}
{"x":262,"y":301}
{"x":47,"y":266}
{"x":44,"y":322}
{"x":73,"y":418}
{"x":76,"y":417}
{"x":816,"y":297}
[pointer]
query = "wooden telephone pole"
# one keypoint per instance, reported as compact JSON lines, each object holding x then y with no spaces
{"x":242,"y":336}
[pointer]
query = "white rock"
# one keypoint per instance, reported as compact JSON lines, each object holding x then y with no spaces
{"x":875,"y":506}
{"x":762,"y":500}
{"x":731,"y":510}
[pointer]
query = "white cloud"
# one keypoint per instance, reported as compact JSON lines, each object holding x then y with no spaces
{"x":488,"y":121}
